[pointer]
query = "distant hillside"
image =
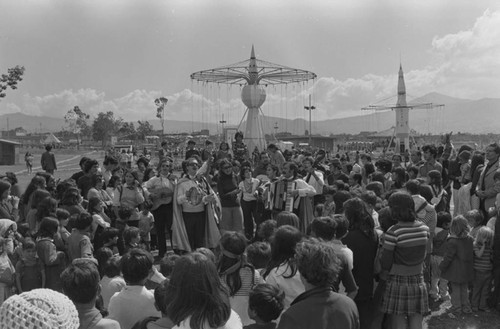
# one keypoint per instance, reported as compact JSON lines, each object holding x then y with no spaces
{"x":458,"y":115}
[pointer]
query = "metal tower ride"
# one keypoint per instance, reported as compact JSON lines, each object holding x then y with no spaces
{"x":254,"y":75}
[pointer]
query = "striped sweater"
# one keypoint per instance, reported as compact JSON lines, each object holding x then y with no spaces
{"x":404,"y":248}
{"x":483,"y":263}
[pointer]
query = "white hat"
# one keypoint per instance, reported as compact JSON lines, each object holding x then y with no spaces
{"x":39,"y":309}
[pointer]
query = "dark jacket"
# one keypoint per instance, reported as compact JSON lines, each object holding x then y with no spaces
{"x":48,"y":161}
{"x":320,"y":308}
{"x":457,"y":264}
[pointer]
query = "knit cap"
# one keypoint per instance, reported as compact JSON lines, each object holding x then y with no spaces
{"x":39,"y":309}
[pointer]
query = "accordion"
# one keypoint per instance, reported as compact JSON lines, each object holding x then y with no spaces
{"x":279,"y":196}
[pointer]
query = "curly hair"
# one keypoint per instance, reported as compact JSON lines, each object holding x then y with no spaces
{"x":359,"y":217}
{"x":317,"y":262}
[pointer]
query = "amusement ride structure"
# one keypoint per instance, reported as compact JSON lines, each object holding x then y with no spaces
{"x":254,"y":75}
{"x":401,"y":135}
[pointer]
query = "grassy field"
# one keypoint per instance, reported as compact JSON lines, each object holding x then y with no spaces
{"x":67,"y":162}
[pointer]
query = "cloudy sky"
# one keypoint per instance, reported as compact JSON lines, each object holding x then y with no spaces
{"x":120,"y":55}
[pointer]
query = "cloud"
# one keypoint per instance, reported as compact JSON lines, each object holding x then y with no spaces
{"x":465,"y":64}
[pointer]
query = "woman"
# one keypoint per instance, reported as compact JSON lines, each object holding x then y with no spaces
{"x":362,"y":239}
{"x":282,"y":271}
{"x":36,"y":182}
{"x":161,"y":191}
{"x":227,"y":186}
{"x":223,"y":152}
{"x":9,"y":205}
{"x":97,"y":191}
{"x":194,"y":213}
{"x":199,"y":300}
{"x":72,"y":201}
{"x":130,"y":195}
{"x":248,"y":187}
{"x":403,"y":256}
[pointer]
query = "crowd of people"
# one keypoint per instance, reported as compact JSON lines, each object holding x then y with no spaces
{"x":268,"y":239}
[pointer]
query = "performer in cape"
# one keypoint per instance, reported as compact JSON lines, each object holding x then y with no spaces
{"x":196,"y":211}
{"x":293,"y":194}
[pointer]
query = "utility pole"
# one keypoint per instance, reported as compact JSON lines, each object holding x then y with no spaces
{"x":222,"y":122}
{"x":310,"y":108}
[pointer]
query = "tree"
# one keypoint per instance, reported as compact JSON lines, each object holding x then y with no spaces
{"x":144,"y":129}
{"x":77,"y":120}
{"x":105,"y":126}
{"x":128,"y":129}
{"x":10,"y":80}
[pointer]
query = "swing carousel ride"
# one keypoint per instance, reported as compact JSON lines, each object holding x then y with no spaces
{"x":401,"y":134}
{"x":253,"y":76}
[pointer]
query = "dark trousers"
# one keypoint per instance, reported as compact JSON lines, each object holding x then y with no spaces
{"x":195,"y":228}
{"x":163,"y":221}
{"x":250,"y":214}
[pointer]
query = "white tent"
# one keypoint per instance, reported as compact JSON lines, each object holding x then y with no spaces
{"x":51,"y":139}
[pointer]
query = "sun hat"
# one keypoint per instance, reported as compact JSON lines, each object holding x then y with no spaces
{"x":39,"y":309}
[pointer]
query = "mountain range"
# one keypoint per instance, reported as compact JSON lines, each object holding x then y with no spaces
{"x":458,"y":115}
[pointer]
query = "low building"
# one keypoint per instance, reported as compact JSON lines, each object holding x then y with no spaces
{"x":9,"y":153}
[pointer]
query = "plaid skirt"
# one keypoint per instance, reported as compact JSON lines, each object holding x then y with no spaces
{"x":405,"y":295}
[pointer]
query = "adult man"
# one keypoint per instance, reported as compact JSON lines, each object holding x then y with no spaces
{"x":275,"y":155}
{"x":416,"y":158}
{"x":261,"y":168}
{"x":430,"y":154}
{"x":314,"y":178}
{"x":291,"y":193}
{"x":336,"y":172}
{"x":48,"y":160}
{"x":319,"y":306}
{"x":486,"y":188}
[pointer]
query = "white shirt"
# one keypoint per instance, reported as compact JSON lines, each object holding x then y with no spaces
{"x":132,"y":304}
{"x":292,"y":287}
{"x":110,"y":286}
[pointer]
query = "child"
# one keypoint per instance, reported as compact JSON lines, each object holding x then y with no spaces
{"x":475,"y":219}
{"x":457,"y":264}
{"x":131,"y":238}
{"x":80,"y":283}
{"x":124,"y":214}
{"x":167,"y":264}
{"x":439,"y":286}
{"x":61,"y":238}
{"x":483,"y":267}
{"x":52,"y":260}
{"x":112,"y":281}
{"x":109,"y":239}
{"x":79,"y":245}
{"x":208,"y":253}
{"x":259,"y":255}
{"x":266,"y":230}
{"x":319,"y":210}
{"x":265,"y":304}
{"x":7,"y":272}
{"x":134,"y":301}
{"x":162,"y":299}
{"x":236,"y":274}
{"x":146,"y":223}
{"x":95,"y":208}
{"x":102,"y":255}
{"x":29,"y":270}
{"x":329,"y":208}
{"x":332,"y":230}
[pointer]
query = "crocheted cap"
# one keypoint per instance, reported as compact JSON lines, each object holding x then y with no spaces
{"x":40,"y":309}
